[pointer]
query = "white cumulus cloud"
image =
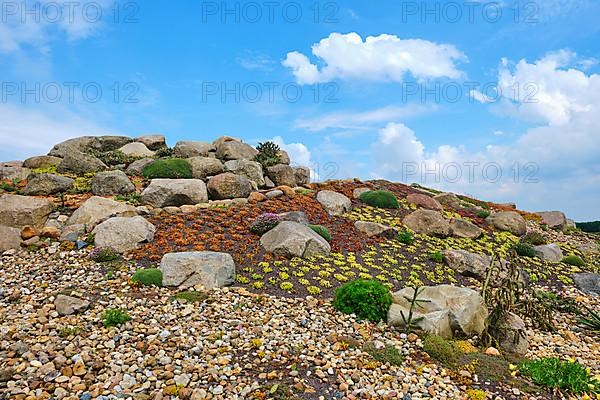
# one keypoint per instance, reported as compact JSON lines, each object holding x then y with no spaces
{"x":376,"y":58}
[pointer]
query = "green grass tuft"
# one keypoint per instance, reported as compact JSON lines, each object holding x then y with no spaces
{"x":557,"y":374}
{"x":148,"y":277}
{"x":172,"y":168}
{"x":380,"y":199}
{"x":367,"y":299}
{"x":322,"y":231}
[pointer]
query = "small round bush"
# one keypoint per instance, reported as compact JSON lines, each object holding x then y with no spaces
{"x":148,"y":277}
{"x":483,"y":214}
{"x":367,"y":299}
{"x":442,"y":350}
{"x":406,"y":237}
{"x":524,"y":250}
{"x":322,"y":231}
{"x":380,"y":198}
{"x":114,"y":317}
{"x":264,"y":223}
{"x":563,"y":375}
{"x":574,"y":260}
{"x":172,"y":168}
{"x":534,"y":239}
{"x":437,"y":256}
{"x":104,"y":254}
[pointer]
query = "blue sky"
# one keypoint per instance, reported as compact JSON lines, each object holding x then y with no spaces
{"x":378,"y":85}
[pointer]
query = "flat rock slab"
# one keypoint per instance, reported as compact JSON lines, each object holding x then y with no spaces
{"x":292,"y":239}
{"x":18,"y":211}
{"x":96,"y":209}
{"x":206,"y":268}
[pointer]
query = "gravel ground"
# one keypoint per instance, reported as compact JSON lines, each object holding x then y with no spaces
{"x":235,"y":345}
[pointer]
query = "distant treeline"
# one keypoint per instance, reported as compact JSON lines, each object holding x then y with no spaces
{"x":589,"y":226}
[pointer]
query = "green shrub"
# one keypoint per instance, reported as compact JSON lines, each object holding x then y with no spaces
{"x":163,"y":152}
{"x":388,"y":354}
{"x":367,"y":299}
{"x":114,"y":317}
{"x":104,"y":254}
{"x":114,"y":157}
{"x":524,"y":250}
{"x":148,"y":277}
{"x":437,"y":256}
{"x":133,"y":198}
{"x":269,"y":154}
{"x":483,"y":214}
{"x":172,"y":168}
{"x":406,"y":237}
{"x":557,"y":374}
{"x":380,"y":198}
{"x":322,"y":231}
{"x":534,"y":239}
{"x":574,"y":260}
{"x":442,"y":350}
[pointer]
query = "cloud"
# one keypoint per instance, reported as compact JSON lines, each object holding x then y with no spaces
{"x":377,"y":58}
{"x":25,"y":132}
{"x":361,"y":119}
{"x":256,"y":61}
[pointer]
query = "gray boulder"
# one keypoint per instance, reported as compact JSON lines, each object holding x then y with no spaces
{"x":136,"y":149}
{"x":554,"y":219}
{"x":229,"y":186}
{"x":111,"y":183}
{"x":235,"y":150}
{"x":282,"y":175}
{"x":302,"y":175}
{"x":123,"y":233}
{"x":185,"y":270}
{"x":284,"y":157}
{"x":467,"y":263}
{"x":175,"y":192}
{"x":334,"y":203}
{"x":96,"y":209}
{"x":549,"y":252}
{"x":85,"y":143}
{"x":152,"y":142}
{"x":464,"y":229}
{"x":67,"y":305}
{"x":445,"y":309}
{"x":448,"y":200}
{"x":18,"y":211}
{"x":137,"y":167}
{"x":424,"y":201}
{"x":512,"y":334}
{"x":41,"y":162}
{"x":292,"y":239}
{"x":47,"y":184}
{"x":428,"y":222}
{"x":79,"y":163}
{"x":188,"y":148}
{"x":13,"y":172}
{"x":588,"y":282}
{"x":203,"y":167}
{"x":250,"y":169}
{"x":359,"y":191}
{"x":509,"y":221}
{"x":294,"y":216}
{"x":374,"y":229}
{"x":10,"y":238}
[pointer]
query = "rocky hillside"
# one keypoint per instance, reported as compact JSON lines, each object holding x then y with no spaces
{"x":207,"y":271}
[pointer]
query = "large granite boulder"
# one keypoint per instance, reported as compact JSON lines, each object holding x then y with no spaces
{"x":549,"y":252}
{"x":509,"y":221}
{"x":175,"y":192}
{"x":588,"y":282}
{"x":188,"y":148}
{"x":203,"y":167}
{"x":428,"y":222}
{"x":282,"y":175}
{"x":302,"y":175}
{"x":448,"y":200}
{"x":19,"y":211}
{"x":250,"y":169}
{"x":374,"y":229}
{"x":10,"y":238}
{"x":152,"y":142}
{"x":123,"y":233}
{"x":38,"y":162}
{"x":444,"y":310}
{"x":293,"y":239}
{"x":79,"y":163}
{"x":462,"y":228}
{"x":424,"y":201}
{"x":467,"y":263}
{"x":136,"y":149}
{"x":334,"y":203}
{"x":236,"y":150}
{"x":185,"y":270}
{"x":13,"y":172}
{"x":137,"y":167}
{"x":96,"y":209}
{"x":85,"y":143}
{"x":48,"y":184}
{"x":512,"y":334}
{"x":111,"y":183}
{"x":554,"y":219}
{"x":229,"y":186}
